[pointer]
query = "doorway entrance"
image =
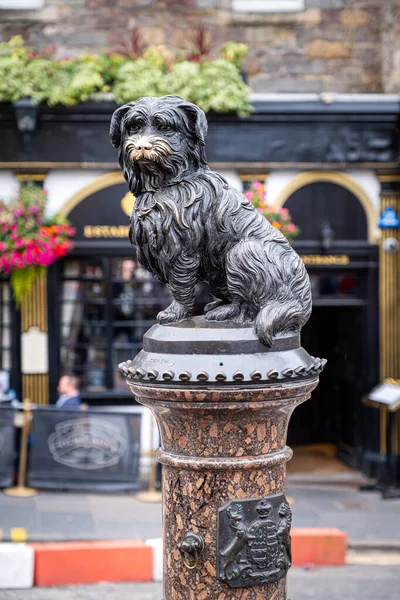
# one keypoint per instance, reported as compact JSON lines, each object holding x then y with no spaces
{"x":330,"y":415}
{"x":343,"y":327}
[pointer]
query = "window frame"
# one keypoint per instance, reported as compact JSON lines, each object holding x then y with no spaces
{"x":267,"y":6}
{"x":14,"y":347}
{"x":21,"y":4}
{"x":111,"y":324}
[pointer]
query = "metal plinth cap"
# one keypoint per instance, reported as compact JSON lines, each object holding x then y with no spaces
{"x":199,"y":352}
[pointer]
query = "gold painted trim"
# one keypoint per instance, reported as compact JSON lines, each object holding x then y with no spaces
{"x":34,"y":314}
{"x":339,"y":178}
{"x":254,"y":176}
{"x":98,"y":184}
{"x":34,"y":309}
{"x":127,"y":203}
{"x":219,"y":165}
{"x":389,"y":178}
{"x":31,"y":176}
{"x":36,"y":388}
{"x":389,"y":298}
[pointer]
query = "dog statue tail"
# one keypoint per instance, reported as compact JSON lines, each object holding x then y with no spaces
{"x":289,"y":307}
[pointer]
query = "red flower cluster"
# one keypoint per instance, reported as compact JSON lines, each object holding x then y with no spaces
{"x":26,"y":238}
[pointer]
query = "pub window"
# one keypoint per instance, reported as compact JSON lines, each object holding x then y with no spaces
{"x":5,"y":325}
{"x":107,"y":305}
{"x":267,"y":5}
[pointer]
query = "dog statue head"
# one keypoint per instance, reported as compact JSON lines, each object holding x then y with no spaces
{"x":160,"y":141}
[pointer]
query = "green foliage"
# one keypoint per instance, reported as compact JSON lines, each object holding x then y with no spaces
{"x":22,"y":281}
{"x":234,"y":53}
{"x":137,"y":78}
{"x":74,"y":84}
{"x":213,"y":84}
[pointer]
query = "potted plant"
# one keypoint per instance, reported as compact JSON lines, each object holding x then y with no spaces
{"x":212,"y":82}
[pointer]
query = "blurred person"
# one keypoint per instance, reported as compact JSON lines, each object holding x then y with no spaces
{"x":68,"y":388}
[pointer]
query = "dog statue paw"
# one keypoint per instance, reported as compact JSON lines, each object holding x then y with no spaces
{"x":188,"y":225}
{"x":174,"y":313}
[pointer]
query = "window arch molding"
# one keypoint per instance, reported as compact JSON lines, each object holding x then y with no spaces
{"x":339,"y":178}
{"x":104,"y":181}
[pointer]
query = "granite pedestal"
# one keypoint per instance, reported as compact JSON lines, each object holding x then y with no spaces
{"x":222,"y":401}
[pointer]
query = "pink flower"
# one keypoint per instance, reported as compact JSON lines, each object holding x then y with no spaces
{"x":29,"y":256}
{"x":291,"y":227}
{"x":249,"y":195}
{"x":4,"y":262}
{"x":33,"y":209}
{"x":257,"y":185}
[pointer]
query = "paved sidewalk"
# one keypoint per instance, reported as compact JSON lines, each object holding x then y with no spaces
{"x":58,"y":516}
{"x":334,"y":583}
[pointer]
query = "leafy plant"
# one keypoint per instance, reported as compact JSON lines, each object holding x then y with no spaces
{"x":213,"y":84}
{"x":278,"y":217}
{"x":130,"y":45}
{"x":234,"y":53}
{"x":28,"y":241}
{"x":202,"y":42}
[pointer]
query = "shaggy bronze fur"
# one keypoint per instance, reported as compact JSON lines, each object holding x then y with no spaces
{"x":188,"y":225}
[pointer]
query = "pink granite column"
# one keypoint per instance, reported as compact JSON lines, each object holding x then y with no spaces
{"x":217,"y":446}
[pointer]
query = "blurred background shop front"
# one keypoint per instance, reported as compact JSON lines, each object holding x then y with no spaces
{"x":333,"y":165}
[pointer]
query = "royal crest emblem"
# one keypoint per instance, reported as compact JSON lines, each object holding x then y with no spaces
{"x":254,"y":541}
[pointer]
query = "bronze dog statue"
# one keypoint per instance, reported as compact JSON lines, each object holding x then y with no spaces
{"x":188,"y":225}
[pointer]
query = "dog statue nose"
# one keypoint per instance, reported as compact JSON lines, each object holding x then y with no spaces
{"x":143,"y":145}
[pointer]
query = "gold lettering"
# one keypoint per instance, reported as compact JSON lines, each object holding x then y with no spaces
{"x":97,"y":231}
{"x":330,"y":259}
{"x":106,"y":231}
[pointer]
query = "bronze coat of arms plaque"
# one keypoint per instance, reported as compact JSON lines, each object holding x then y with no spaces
{"x":254,"y":541}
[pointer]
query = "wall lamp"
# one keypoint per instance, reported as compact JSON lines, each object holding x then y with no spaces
{"x":327,"y":235}
{"x":26,"y":114}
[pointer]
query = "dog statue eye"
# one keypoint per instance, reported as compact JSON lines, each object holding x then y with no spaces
{"x":165,"y":128}
{"x":134,"y":128}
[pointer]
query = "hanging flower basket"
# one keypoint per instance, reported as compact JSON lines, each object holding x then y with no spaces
{"x":29,"y":243}
{"x":278,"y":217}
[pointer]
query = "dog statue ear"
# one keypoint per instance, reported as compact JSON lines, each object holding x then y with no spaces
{"x":197,"y":118}
{"x":115,"y":126}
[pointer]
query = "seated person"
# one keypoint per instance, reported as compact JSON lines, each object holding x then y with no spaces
{"x":69,"y":392}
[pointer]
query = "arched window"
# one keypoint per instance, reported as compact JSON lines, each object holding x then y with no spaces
{"x":324,"y":202}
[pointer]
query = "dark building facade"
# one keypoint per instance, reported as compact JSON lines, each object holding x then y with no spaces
{"x":323,"y":137}
{"x":329,"y":163}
